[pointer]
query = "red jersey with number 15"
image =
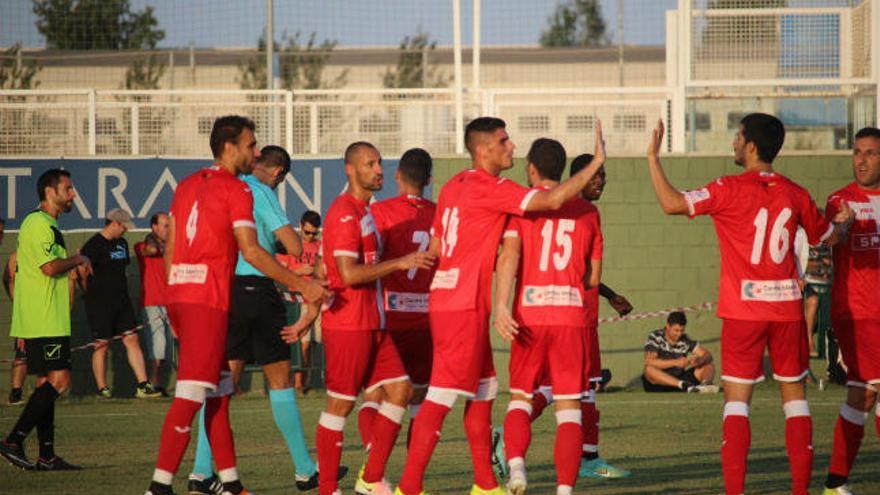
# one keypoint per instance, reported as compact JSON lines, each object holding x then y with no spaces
{"x":556,"y":249}
{"x":471,"y":213}
{"x":350,"y":232}
{"x":857,"y":258}
{"x":404,"y":226}
{"x":207,"y":206}
{"x":756,"y":216}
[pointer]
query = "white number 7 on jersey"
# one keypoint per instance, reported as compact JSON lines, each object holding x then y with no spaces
{"x":420,"y":238}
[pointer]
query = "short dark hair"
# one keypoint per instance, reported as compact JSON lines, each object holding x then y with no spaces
{"x":415,"y":167}
{"x":154,"y":220}
{"x":548,"y":156}
{"x":868,"y":132}
{"x":579,"y":163}
{"x":312,"y":217}
{"x":353,"y":148}
{"x":481,"y":125}
{"x":766,"y":132}
{"x":50,"y":178}
{"x":677,"y":318}
{"x":274,"y":157}
{"x":227,"y":129}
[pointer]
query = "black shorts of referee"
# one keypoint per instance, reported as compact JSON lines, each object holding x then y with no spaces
{"x":256,"y":317}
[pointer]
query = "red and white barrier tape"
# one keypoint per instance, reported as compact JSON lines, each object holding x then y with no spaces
{"x":706,"y":306}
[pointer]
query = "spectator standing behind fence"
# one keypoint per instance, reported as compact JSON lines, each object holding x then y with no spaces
{"x":41,"y":316}
{"x":159,"y":338}
{"x":310,"y":230}
{"x":676,"y":363}
{"x":108,"y":306}
{"x":19,"y":364}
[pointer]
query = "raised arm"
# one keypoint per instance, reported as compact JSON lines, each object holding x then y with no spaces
{"x":671,"y":199}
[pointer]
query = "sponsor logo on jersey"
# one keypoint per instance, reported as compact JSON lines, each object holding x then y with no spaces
{"x":551,"y":295}
{"x":346,"y":218}
{"x":865,"y":242}
{"x":406,"y":302}
{"x":770,"y":290}
{"x":863,"y":211}
{"x":697,"y":195}
{"x":445,"y":279}
{"x":119,"y":253}
{"x":185,"y":273}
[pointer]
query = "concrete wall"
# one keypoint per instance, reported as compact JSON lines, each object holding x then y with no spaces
{"x":654,"y":260}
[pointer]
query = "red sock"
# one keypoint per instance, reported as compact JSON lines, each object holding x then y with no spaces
{"x":478,"y":428}
{"x":736,"y":439}
{"x":567,"y":451}
{"x":425,"y":435}
{"x":386,"y":427}
{"x":366,"y":416}
{"x":799,"y":444}
{"x":847,"y":440}
{"x":175,"y":433}
{"x":517,"y":430}
{"x":220,"y":432}
{"x":539,"y":402}
{"x":590,"y":426}
{"x":328,"y":439}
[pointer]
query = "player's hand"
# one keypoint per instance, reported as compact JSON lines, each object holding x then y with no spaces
{"x":504,"y":323}
{"x":656,"y":139}
{"x":314,"y":292}
{"x":417,"y":259}
{"x":844,"y":216}
{"x":85,"y":265}
{"x":292,"y":333}
{"x":682,"y":362}
{"x":621,"y":305}
{"x":599,"y":152}
{"x":304,"y":270}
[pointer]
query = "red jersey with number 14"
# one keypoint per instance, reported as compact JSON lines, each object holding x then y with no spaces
{"x":856,"y":285}
{"x":557,"y":247}
{"x":207,"y":206}
{"x":756,"y":216}
{"x":404,"y":226}
{"x":471,"y":213}
{"x":350,"y":232}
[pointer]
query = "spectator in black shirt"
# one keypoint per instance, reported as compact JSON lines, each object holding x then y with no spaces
{"x":108,"y":307}
{"x":674,"y":362}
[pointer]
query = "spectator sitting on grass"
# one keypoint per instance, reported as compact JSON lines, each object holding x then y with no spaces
{"x":674,"y":362}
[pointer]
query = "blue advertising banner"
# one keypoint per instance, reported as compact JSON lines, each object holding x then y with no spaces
{"x":145,"y":186}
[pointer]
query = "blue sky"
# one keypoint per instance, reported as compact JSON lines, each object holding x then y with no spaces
{"x":238,"y":24}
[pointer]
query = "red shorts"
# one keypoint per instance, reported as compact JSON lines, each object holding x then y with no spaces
{"x":742,"y":350}
{"x":462,"y":352}
{"x":559,"y":350}
{"x":416,"y":352}
{"x":201,"y":332}
{"x":860,"y":345}
{"x":594,"y":358}
{"x":359,"y":359}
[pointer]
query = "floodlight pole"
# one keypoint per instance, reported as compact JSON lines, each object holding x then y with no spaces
{"x":475,"y":49}
{"x":270,"y":45}
{"x":459,"y":97}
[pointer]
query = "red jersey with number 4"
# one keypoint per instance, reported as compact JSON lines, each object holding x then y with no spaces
{"x":756,"y":216}
{"x":557,"y":247}
{"x":856,"y":287}
{"x":471,"y":213}
{"x":207,"y":206}
{"x":350,"y":232}
{"x":404,"y":225}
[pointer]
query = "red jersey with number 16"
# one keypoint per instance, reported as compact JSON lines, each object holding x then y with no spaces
{"x":350,"y":232}
{"x":404,"y":225}
{"x":556,"y":249}
{"x":207,"y":206}
{"x":471,"y":213}
{"x":756,"y":216}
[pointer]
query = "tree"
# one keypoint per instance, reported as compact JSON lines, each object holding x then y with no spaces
{"x":413,"y":70}
{"x":575,"y":23}
{"x":14,"y":75}
{"x":300,"y":66}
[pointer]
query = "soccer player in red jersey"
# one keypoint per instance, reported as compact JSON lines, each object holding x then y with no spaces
{"x":550,"y":254}
{"x":855,"y":312}
{"x":756,"y":215}
{"x":471,"y":212}
{"x":211,"y":220}
{"x":360,"y":355}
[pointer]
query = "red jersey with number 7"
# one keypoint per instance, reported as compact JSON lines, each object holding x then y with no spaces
{"x":404,"y":226}
{"x":207,"y":206}
{"x":756,"y":216}
{"x":557,"y":247}
{"x":471,"y":213}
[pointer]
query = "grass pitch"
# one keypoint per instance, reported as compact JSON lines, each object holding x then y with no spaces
{"x":669,"y":441}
